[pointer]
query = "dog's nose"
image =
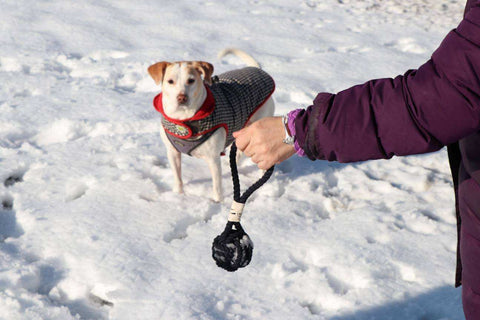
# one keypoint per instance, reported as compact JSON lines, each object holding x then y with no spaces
{"x":182,"y":98}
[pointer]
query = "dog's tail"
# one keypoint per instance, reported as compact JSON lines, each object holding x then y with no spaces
{"x":248,"y":59}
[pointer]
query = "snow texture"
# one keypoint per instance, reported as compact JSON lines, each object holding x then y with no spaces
{"x":89,"y":226}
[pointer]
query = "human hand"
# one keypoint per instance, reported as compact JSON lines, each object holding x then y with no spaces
{"x":262,"y":141}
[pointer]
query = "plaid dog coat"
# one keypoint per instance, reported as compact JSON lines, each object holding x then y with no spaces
{"x":231,"y":101}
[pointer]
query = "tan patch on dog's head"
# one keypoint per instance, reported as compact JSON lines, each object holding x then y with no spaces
{"x":206,"y":69}
{"x":157,"y":71}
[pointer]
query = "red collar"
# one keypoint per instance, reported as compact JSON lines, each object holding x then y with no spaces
{"x":205,"y":110}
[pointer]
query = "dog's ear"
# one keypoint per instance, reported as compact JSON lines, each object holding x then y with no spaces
{"x":206,"y":69}
{"x":157,"y":71}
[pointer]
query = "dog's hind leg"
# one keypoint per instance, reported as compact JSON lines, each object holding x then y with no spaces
{"x":266,"y":110}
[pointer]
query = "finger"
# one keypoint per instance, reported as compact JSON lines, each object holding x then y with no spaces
{"x":264,"y":165}
{"x":248,"y":151}
{"x":242,"y":141}
{"x":256,"y":158}
{"x":240,"y":132}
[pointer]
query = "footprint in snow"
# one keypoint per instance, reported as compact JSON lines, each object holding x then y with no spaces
{"x":61,"y":131}
{"x":8,"y":220}
{"x":14,"y":178}
{"x":343,"y":279}
{"x":407,"y":45}
{"x":7,"y":202}
{"x":42,"y":278}
{"x":179,"y":231}
{"x":181,"y":226}
{"x":75,"y":191}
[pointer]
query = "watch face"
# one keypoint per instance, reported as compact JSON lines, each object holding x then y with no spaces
{"x":288,"y":140}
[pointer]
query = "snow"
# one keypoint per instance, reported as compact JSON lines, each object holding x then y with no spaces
{"x":89,"y":225}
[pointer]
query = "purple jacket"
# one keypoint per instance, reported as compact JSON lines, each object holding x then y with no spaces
{"x":425,"y":109}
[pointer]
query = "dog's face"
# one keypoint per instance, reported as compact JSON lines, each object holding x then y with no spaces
{"x":182,"y":84}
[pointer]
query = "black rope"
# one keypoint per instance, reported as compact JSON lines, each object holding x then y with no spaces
{"x":236,"y":181}
{"x":233,"y":248}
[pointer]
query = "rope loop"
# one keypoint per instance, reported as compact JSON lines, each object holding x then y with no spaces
{"x":236,"y":181}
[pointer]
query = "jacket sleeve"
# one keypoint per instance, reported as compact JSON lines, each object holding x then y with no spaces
{"x":419,"y":112}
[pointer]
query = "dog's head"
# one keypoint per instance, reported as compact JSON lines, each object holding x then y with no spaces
{"x":182,"y":83}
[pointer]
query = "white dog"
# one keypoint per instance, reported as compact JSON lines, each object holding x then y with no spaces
{"x":199,"y":115}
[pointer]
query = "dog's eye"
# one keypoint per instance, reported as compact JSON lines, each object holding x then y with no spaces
{"x":170,"y":81}
{"x":190,"y":81}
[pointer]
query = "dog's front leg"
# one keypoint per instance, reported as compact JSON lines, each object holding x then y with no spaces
{"x":175,"y":160}
{"x":216,"y":171}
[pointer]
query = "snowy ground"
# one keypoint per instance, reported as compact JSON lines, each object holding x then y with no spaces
{"x":89,"y":226}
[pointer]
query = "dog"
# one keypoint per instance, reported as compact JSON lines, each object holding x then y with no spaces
{"x":200,"y":112}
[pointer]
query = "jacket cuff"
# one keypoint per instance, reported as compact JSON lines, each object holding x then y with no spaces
{"x":292,"y":115}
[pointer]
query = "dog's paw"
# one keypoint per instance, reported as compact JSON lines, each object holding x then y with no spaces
{"x":178,"y":189}
{"x":217,"y":198}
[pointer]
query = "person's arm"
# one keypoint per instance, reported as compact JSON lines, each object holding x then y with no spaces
{"x":418,"y":112}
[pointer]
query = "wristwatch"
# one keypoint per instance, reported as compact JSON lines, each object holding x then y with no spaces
{"x":288,"y":138}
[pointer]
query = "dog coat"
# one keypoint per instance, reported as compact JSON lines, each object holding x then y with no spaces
{"x":231,"y":101}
